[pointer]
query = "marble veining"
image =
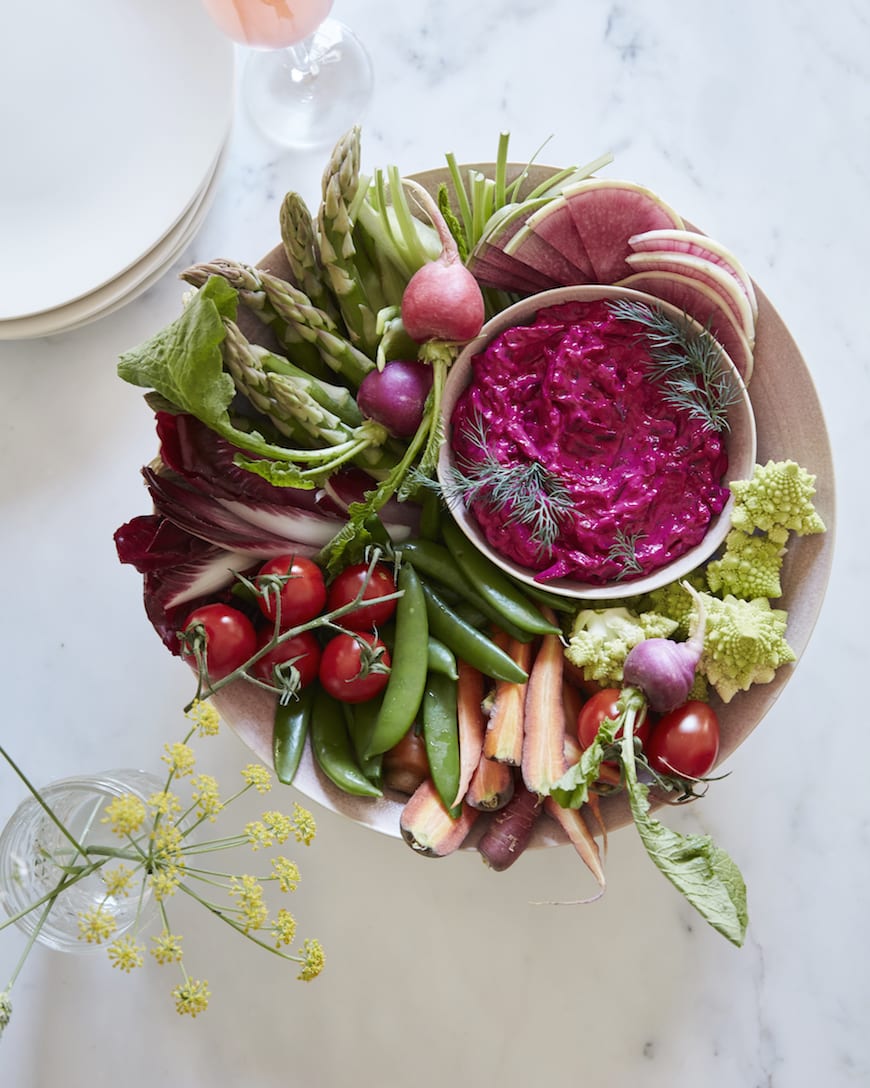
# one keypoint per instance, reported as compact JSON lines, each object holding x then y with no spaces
{"x":751,"y":118}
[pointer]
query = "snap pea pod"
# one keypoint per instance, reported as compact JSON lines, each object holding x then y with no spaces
{"x":468,"y":643}
{"x":441,"y":658}
{"x":441,"y":736}
{"x":492,"y":584}
{"x":292,"y":723}
{"x":435,"y":563}
{"x":404,"y":690}
{"x":360,"y":719}
{"x":332,"y":748}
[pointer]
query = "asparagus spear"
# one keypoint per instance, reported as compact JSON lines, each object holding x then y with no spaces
{"x":313,"y":327}
{"x":301,"y":249}
{"x":338,"y":254}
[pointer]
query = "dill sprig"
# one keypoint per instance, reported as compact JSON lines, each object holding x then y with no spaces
{"x":530,"y":493}
{"x":688,"y":365}
{"x":624,"y":551}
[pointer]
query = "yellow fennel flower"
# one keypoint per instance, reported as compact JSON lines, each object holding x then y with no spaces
{"x":191,"y":997}
{"x":313,"y":962}
{"x":126,"y":954}
{"x":284,"y":928}
{"x":96,"y":925}
{"x":179,"y":758}
{"x":205,"y":796}
{"x":126,"y":814}
{"x":167,"y":947}
{"x":256,"y":775}
{"x":164,"y":882}
{"x":205,"y":717}
{"x":248,"y":892}
{"x":304,"y":826}
{"x":258,"y":834}
{"x":168,"y":846}
{"x":164,"y":803}
{"x":280,"y":825}
{"x":118,"y":880}
{"x":286,"y":873}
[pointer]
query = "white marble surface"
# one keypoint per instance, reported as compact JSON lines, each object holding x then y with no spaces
{"x":752,"y":118}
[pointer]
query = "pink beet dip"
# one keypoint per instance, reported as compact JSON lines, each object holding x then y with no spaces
{"x":573,"y":391}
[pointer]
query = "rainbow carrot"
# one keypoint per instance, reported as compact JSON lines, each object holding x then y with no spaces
{"x":543,"y":758}
{"x":504,"y":730}
{"x":472,"y":724}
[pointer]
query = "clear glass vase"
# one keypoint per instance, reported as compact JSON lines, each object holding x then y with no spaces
{"x":32,"y":848}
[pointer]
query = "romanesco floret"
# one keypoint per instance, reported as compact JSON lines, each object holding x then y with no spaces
{"x":601,"y":638}
{"x":676,"y":602}
{"x":749,"y":567}
{"x":744,"y":644}
{"x":778,"y":499}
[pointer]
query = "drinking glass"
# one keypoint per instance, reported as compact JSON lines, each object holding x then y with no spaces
{"x":307,"y":78}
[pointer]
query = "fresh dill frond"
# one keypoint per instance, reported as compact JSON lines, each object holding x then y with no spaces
{"x":624,"y":551}
{"x":528,"y":493}
{"x":688,"y":365}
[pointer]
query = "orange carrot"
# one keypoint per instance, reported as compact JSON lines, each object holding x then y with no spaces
{"x":572,"y":823}
{"x":543,"y":758}
{"x":491,"y":786}
{"x":472,"y":724}
{"x":504,"y":730}
{"x":428,"y":828}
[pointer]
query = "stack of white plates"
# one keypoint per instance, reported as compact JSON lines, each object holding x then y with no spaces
{"x":114,"y":122}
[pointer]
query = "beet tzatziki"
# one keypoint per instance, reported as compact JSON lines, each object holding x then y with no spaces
{"x":579,"y":446}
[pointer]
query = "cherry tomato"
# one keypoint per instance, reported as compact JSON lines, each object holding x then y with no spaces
{"x":347,"y":587}
{"x":604,"y":704}
{"x":685,"y":742}
{"x":303,"y":650}
{"x":225,"y":635}
{"x":302,"y":595}
{"x":354,"y":667}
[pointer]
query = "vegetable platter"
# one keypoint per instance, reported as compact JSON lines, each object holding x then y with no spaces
{"x":214,"y":536}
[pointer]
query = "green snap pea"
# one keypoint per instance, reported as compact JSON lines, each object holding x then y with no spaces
{"x":493,"y":585}
{"x":441,"y":658}
{"x":436,"y":564}
{"x":430,"y":515}
{"x":292,"y":723}
{"x":404,"y":690}
{"x":441,"y":736}
{"x":360,"y":719}
{"x":468,"y":643}
{"x":332,"y":748}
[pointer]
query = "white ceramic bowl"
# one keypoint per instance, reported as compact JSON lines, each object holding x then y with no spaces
{"x":740,"y":439}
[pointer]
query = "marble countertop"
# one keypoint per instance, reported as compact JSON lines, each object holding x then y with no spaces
{"x":752,"y":119}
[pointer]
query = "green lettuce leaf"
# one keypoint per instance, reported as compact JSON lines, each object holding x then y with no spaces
{"x":699,"y":869}
{"x":183,"y":363}
{"x":572,"y":789}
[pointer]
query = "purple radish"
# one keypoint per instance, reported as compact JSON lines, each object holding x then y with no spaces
{"x":396,"y":396}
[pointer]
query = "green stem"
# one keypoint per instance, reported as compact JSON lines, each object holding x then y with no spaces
{"x":216,"y":910}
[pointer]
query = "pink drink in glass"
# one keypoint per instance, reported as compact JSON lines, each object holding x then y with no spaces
{"x":268,"y":24}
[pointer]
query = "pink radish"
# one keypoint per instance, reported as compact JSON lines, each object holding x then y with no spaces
{"x":699,"y":245}
{"x":706,"y":272}
{"x":607,"y":213}
{"x":442,"y":300}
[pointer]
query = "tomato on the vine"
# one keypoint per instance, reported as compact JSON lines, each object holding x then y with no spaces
{"x":224,"y":636}
{"x":354,"y":667}
{"x":685,"y":742}
{"x":301,"y":650}
{"x":356,"y":579}
{"x":298,"y":584}
{"x":604,"y":704}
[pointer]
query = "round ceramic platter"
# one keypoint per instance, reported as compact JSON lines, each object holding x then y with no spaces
{"x":128,"y":108}
{"x":130,"y":284}
{"x":790,"y":425}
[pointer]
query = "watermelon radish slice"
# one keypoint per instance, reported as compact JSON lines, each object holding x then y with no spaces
{"x":492,"y":268}
{"x":699,"y":245}
{"x":703,"y":304}
{"x":555,"y":226}
{"x":713,"y":275}
{"x":533,"y":251}
{"x":606,"y":214}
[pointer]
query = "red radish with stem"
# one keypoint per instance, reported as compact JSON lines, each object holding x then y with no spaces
{"x":442,"y":300}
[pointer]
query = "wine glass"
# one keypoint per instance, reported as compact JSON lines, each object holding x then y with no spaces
{"x":307,"y":78}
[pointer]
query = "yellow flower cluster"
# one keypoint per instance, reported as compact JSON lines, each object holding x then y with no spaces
{"x":167,"y":947}
{"x":126,"y":954}
{"x":313,"y":962}
{"x":248,"y":892}
{"x":126,"y":814}
{"x":191,"y":997}
{"x":205,"y":718}
{"x":118,"y":880}
{"x":179,"y":758}
{"x":206,"y":797}
{"x":256,"y":775}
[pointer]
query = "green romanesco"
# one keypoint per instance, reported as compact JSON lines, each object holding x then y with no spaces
{"x":744,"y":644}
{"x":777,"y":499}
{"x":676,"y":602}
{"x":601,"y":638}
{"x":749,"y":567}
